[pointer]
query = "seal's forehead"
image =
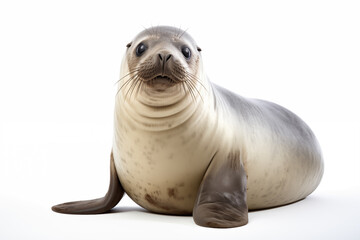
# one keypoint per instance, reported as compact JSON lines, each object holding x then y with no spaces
{"x":165,"y":32}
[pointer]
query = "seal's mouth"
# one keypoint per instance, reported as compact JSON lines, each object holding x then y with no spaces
{"x":163,"y":79}
{"x":161,"y":83}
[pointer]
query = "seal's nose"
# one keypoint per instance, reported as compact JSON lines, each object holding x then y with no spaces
{"x":164,"y":57}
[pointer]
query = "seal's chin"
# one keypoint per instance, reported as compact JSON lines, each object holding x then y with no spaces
{"x":161,"y":83}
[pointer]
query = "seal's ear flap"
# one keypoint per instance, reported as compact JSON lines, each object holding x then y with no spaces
{"x":129,"y":44}
{"x":198,"y":48}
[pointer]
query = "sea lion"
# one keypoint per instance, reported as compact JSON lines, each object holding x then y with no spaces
{"x":183,"y":145}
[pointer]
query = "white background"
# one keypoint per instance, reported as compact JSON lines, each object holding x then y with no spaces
{"x":59,"y":61}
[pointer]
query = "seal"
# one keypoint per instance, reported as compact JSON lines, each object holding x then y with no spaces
{"x":183,"y":145}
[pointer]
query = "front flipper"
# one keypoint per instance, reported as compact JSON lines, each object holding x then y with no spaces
{"x":221,"y":201}
{"x":100,"y":205}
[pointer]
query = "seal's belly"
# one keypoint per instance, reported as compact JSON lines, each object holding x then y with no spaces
{"x":173,"y":190}
{"x":162,"y":172}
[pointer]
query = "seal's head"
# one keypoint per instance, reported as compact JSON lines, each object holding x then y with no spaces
{"x":159,"y":59}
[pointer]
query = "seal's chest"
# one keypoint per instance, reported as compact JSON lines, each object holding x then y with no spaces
{"x":167,"y":153}
{"x":162,"y":167}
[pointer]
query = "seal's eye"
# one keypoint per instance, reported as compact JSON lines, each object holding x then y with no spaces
{"x":186,"y":52}
{"x":140,"y":49}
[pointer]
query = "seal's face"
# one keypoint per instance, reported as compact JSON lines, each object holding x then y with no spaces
{"x":163,"y":57}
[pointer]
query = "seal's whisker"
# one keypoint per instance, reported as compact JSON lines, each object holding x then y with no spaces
{"x":183,"y":87}
{"x":130,"y":79}
{"x":183,"y":33}
{"x":137,"y":81}
{"x":193,"y":85}
{"x":147,"y":30}
{"x":139,"y":88}
{"x":131,"y":87}
{"x":157,"y":30}
{"x":129,"y":73}
{"x":178,"y":32}
{"x":186,"y":89}
{"x":196,"y":79}
{"x":126,"y":83}
{"x":196,"y":89}
{"x":189,"y":87}
{"x":152,"y":30}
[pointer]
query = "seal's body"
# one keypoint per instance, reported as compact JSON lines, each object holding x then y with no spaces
{"x":183,"y":145}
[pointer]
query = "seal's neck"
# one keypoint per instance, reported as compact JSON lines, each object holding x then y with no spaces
{"x":152,"y":110}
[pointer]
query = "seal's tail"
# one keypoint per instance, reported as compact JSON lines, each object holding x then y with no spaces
{"x":95,"y":206}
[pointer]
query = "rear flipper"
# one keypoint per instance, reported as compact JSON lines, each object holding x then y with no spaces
{"x":100,"y":205}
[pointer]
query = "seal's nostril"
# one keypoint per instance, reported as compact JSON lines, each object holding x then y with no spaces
{"x":168,"y":57}
{"x":164,"y":57}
